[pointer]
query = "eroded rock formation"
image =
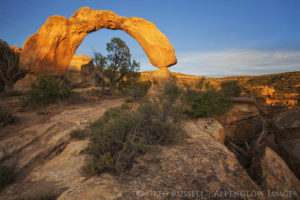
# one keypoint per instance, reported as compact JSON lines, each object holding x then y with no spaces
{"x":277,"y":176}
{"x":243,"y":121}
{"x":287,"y":136}
{"x":82,"y":72}
{"x":78,"y":61}
{"x":53,"y":46}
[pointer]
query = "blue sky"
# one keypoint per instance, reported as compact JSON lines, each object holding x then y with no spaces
{"x":211,"y":37}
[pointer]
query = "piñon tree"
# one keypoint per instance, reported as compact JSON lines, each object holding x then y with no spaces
{"x":117,"y":66}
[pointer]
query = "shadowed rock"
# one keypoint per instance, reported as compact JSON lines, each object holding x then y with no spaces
{"x":287,"y":136}
{"x":16,"y":49}
{"x":53,"y":46}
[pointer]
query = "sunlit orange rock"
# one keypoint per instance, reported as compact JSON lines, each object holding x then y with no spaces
{"x":78,"y":61}
{"x":16,"y":49}
{"x":53,"y":46}
{"x":160,"y":76}
{"x":265,"y":90}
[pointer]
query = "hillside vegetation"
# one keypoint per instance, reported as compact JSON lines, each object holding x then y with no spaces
{"x":282,"y":89}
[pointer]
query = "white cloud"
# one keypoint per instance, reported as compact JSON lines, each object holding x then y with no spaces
{"x":237,"y":62}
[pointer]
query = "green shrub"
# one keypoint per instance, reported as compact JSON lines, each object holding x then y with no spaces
{"x":231,"y":88}
{"x":6,"y":117}
{"x":117,"y":66}
{"x":6,"y":176}
{"x":155,"y":126}
{"x":125,"y":106}
{"x":139,"y":89}
{"x":78,"y":134}
{"x":170,"y":100}
{"x":10,"y":93}
{"x":206,"y":103}
{"x":203,"y":102}
{"x":121,"y":135}
{"x":136,"y":89}
{"x":48,"y":89}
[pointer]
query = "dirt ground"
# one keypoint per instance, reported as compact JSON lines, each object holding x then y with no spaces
{"x":39,"y":136}
{"x":27,"y":117}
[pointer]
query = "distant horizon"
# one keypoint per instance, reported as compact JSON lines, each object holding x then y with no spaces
{"x":211,"y":38}
{"x":225,"y":76}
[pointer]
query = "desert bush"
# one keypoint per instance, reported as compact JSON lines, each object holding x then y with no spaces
{"x":95,"y":93}
{"x":121,"y":135}
{"x":6,"y":117}
{"x":231,"y":88}
{"x":78,"y":134}
{"x":137,"y":90}
{"x":46,"y":90}
{"x":11,"y":93}
{"x":201,"y":83}
{"x":206,"y":103}
{"x":125,"y":106}
{"x":6,"y":176}
{"x":155,"y":126}
{"x":169,"y":97}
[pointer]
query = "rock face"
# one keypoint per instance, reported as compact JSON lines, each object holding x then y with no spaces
{"x":78,"y":61}
{"x":44,"y":157}
{"x":25,"y":83}
{"x":243,"y":121}
{"x":287,"y":136}
{"x":202,"y":166}
{"x":277,"y":176}
{"x":53,"y":46}
{"x":82,"y":72}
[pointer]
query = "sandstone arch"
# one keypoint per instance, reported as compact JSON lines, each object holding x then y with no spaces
{"x":53,"y":46}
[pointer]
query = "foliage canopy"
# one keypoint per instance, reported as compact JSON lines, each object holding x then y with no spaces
{"x":117,"y":66}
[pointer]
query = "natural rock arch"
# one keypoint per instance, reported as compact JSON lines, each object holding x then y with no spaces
{"x":55,"y":43}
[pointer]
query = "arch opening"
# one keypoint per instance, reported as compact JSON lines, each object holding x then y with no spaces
{"x":96,"y":41}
